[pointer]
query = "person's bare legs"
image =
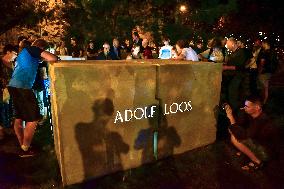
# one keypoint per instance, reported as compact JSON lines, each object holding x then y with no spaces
{"x":19,"y":131}
{"x":29,"y":132}
{"x":244,"y":149}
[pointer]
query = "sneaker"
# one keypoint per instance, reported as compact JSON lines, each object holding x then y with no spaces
{"x":29,"y":153}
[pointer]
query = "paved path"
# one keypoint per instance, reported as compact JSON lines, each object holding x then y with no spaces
{"x":213,"y":166}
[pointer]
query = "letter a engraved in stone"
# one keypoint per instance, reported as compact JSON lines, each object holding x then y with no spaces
{"x":118,"y":117}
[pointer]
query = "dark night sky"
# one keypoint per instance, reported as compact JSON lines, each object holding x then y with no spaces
{"x":264,"y":15}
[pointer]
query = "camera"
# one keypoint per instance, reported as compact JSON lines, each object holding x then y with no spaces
{"x":224,"y":105}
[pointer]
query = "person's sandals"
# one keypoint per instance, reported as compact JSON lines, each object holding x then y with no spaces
{"x":253,"y":166}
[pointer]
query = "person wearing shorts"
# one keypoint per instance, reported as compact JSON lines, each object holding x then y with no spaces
{"x":23,"y":97}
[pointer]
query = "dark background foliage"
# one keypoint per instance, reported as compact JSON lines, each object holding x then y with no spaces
{"x":105,"y":19}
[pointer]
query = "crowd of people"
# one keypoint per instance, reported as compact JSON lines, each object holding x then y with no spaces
{"x":246,"y":72}
{"x":137,"y":49}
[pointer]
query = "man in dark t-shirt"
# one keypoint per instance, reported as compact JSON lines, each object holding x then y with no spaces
{"x":234,"y":75}
{"x":75,"y":50}
{"x":259,"y":138}
{"x":91,"y":51}
{"x":267,"y":64}
{"x":115,"y":50}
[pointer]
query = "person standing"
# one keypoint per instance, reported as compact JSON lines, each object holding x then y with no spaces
{"x":61,"y":50}
{"x":6,"y":69}
{"x":214,"y":53}
{"x":267,"y":64}
{"x":251,"y":66}
{"x":166,"y":51}
{"x":105,"y":54}
{"x":75,"y":50}
{"x":115,"y":50}
{"x":127,"y":46}
{"x":146,"y":50}
{"x":234,"y":75}
{"x":20,"y":88}
{"x":91,"y":52}
{"x":136,"y":45}
{"x":198,"y":47}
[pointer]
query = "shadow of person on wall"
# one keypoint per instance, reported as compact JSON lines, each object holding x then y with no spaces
{"x":222,"y":123}
{"x":159,"y":140}
{"x":100,"y":148}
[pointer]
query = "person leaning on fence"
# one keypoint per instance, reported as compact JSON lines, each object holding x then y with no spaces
{"x":20,"y":88}
{"x":115,"y":49}
{"x":166,"y":51}
{"x":105,"y":54}
{"x":259,"y":139}
{"x":185,"y":53}
{"x":214,"y":53}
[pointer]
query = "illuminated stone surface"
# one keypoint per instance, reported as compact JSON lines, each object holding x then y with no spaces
{"x":87,"y":95}
{"x":200,"y":84}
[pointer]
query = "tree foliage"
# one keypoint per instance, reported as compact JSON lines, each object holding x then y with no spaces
{"x":105,"y":19}
{"x":16,"y":12}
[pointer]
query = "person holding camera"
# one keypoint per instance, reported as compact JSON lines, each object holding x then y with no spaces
{"x":258,"y":139}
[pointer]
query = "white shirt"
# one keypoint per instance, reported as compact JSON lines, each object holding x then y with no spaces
{"x":189,"y":54}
